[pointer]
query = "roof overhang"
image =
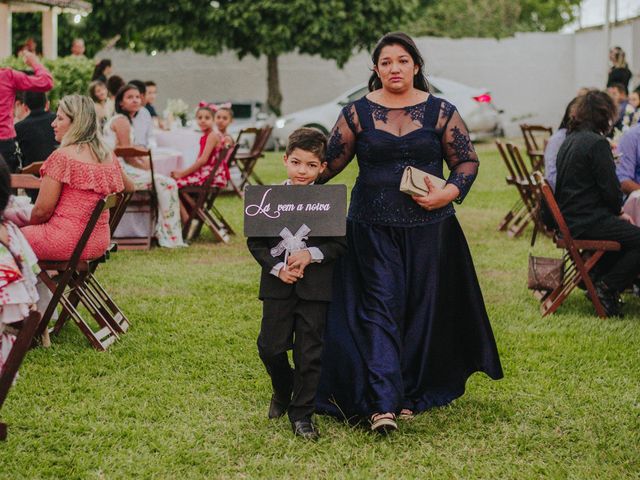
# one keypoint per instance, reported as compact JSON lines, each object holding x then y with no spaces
{"x":64,"y":6}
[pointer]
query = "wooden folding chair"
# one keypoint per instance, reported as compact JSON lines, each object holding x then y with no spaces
{"x":24,"y":181}
{"x":24,"y":337}
{"x":32,"y":168}
{"x":199,"y":200}
{"x":535,"y":140}
{"x":68,"y":286}
{"x":525,"y":209}
{"x":103,"y":306}
{"x":580,"y":258}
{"x":142,"y":202}
{"x":246,"y":162}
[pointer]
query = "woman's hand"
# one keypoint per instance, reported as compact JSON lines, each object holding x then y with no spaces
{"x":176,"y":174}
{"x":437,"y":197}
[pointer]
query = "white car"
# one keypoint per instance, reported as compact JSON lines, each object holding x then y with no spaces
{"x":474,"y":104}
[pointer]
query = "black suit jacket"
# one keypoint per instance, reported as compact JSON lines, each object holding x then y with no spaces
{"x":587,"y":188}
{"x":316,"y":283}
{"x":35,"y":137}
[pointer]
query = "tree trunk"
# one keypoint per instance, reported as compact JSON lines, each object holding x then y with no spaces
{"x":274,"y":96}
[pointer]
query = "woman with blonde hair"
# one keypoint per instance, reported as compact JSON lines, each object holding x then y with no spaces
{"x":74,"y":178}
{"x":619,"y":72}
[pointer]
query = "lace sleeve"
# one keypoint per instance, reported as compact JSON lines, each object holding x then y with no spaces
{"x":459,"y":154}
{"x":342,"y":144}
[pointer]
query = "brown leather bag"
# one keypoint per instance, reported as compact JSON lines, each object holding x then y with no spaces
{"x":545,"y":273}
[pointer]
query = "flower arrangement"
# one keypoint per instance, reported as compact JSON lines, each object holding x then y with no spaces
{"x":631,"y":117}
{"x":177,"y":108}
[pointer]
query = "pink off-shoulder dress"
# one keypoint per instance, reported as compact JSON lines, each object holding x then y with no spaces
{"x":83,"y":185}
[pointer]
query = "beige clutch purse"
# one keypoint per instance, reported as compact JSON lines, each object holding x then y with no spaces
{"x":412,"y":182}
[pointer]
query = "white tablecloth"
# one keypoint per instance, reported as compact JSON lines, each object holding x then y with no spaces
{"x":166,"y":160}
{"x":185,"y":140}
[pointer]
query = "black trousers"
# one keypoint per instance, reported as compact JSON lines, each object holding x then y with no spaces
{"x":298,"y":324}
{"x":617,"y":269}
{"x":9,"y":151}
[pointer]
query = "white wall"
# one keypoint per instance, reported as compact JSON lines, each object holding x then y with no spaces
{"x":532,"y":76}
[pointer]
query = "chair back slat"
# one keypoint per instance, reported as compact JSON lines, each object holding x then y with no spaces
{"x":535,"y":136}
{"x":225,"y":155}
{"x":249,"y":131}
{"x":141,"y":199}
{"x":32,"y":168}
{"x":505,"y":159}
{"x":25,"y":181}
{"x":117,"y":211}
{"x":554,"y":208}
{"x":265,"y":133}
{"x":518,"y":165}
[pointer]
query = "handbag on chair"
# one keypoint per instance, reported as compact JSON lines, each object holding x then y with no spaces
{"x":545,"y":273}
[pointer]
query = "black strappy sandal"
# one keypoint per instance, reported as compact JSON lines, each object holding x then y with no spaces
{"x":383,"y":423}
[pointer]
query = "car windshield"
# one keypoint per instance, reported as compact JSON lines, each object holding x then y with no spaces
{"x":241,"y":110}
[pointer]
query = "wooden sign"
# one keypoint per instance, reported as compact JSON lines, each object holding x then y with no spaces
{"x":270,"y":208}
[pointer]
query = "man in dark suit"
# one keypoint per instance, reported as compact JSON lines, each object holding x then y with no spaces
{"x":34,"y":133}
{"x":295,"y":289}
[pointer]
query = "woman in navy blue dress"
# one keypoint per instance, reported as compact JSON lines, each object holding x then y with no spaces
{"x":408,"y":324}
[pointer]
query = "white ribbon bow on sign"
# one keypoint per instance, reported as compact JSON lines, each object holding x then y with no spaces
{"x":291,"y":243}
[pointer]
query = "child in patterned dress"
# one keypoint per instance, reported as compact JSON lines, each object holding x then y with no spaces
{"x":18,"y":272}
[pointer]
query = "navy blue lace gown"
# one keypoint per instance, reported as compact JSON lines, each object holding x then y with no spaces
{"x":408,"y":324}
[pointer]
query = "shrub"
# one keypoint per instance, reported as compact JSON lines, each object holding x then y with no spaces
{"x":70,"y":75}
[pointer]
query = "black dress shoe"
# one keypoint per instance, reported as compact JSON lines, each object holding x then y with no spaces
{"x":277,"y":408}
{"x":609,"y":299}
{"x":305,"y":428}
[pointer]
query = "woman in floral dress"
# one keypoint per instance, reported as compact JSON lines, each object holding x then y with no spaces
{"x":118,"y":133}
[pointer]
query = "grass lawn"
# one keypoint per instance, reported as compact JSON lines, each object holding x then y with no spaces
{"x":184,"y":395}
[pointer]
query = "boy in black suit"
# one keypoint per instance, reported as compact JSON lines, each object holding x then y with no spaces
{"x":295,"y":298}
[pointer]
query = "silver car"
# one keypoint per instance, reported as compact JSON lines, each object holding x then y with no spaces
{"x":474,"y":104}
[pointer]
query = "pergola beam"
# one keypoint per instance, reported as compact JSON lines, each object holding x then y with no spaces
{"x":50,"y":33}
{"x":5,"y":30}
{"x":50,"y":10}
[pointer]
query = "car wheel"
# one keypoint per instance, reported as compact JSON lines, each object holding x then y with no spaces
{"x":317,"y":127}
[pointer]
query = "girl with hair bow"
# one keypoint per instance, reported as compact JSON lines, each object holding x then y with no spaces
{"x":212,"y":142}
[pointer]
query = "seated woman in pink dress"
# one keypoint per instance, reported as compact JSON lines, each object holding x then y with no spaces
{"x":74,"y":177}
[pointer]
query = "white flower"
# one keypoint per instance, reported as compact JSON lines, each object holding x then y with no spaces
{"x":177,"y":107}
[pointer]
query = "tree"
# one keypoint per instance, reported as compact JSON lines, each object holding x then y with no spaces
{"x":490,"y":18}
{"x":332,"y":29}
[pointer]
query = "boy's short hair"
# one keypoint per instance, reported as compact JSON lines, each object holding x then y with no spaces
{"x":620,"y":87}
{"x":35,"y":100}
{"x":309,"y":140}
{"x":150,"y":83}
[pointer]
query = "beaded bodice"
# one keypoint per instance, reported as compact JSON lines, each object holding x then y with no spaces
{"x":385,"y":141}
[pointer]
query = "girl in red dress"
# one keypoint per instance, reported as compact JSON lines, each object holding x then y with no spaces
{"x":211,"y":143}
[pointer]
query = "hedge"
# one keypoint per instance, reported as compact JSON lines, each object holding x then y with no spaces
{"x":70,"y":75}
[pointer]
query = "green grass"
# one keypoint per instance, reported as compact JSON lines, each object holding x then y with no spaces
{"x":184,"y":395}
